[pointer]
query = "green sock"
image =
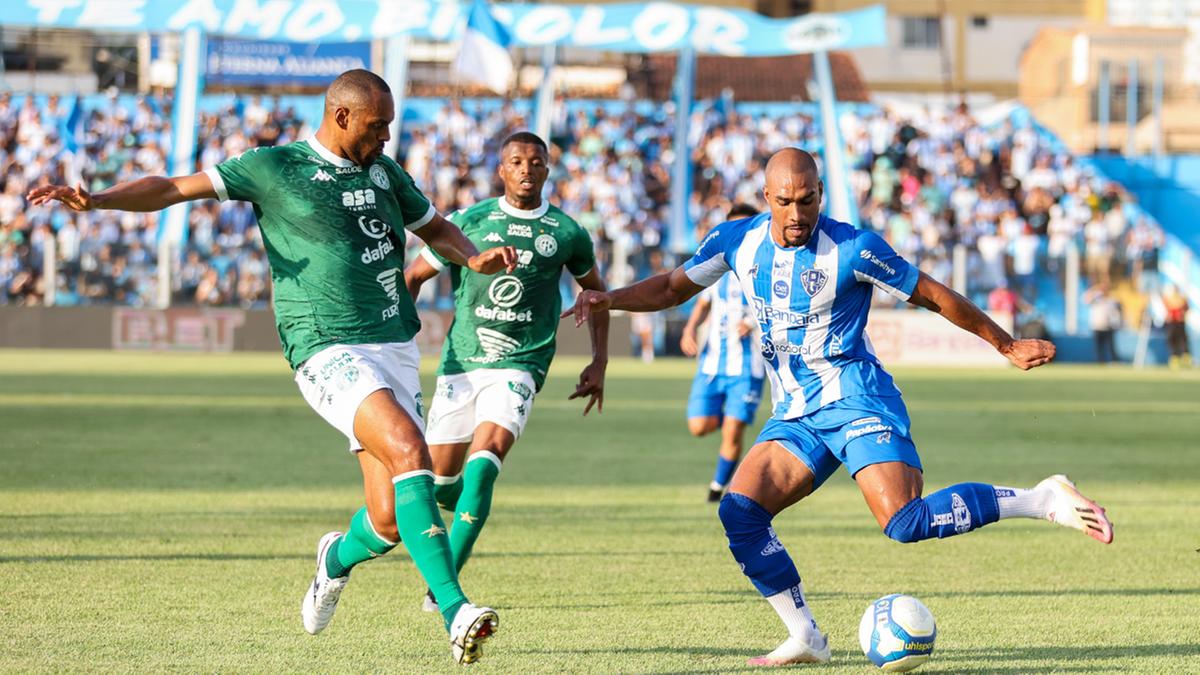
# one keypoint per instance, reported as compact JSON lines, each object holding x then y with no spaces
{"x":359,"y":544}
{"x":447,"y":489}
{"x":474,"y":505}
{"x":424,"y":535}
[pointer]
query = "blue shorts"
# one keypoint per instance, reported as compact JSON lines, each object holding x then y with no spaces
{"x":856,"y":431}
{"x":735,"y":396}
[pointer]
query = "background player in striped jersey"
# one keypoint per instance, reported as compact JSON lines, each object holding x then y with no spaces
{"x":810,"y":279}
{"x":729,"y":378}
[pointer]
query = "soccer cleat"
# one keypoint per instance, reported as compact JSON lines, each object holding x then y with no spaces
{"x":715,"y":492}
{"x":429,"y":603}
{"x":814,"y":649}
{"x":323,"y":593}
{"x":1070,"y":508}
{"x":471,"y":626}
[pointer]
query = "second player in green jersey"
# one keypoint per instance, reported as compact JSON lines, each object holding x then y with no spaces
{"x":502,"y":339}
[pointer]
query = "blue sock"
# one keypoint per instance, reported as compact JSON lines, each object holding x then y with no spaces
{"x":945,"y":513}
{"x":724,"y":471}
{"x":754,"y":545}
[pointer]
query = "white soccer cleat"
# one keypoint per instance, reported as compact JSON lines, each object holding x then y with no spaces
{"x":1071,"y":509}
{"x":323,"y":593}
{"x":813,"y":649}
{"x":429,"y":603}
{"x":471,"y":626}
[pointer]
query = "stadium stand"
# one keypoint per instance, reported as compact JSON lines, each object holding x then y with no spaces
{"x":927,"y":179}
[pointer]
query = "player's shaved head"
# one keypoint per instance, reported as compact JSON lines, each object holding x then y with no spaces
{"x":789,"y":162}
{"x":358,"y":111}
{"x":355,"y":89}
{"x":793,"y":192}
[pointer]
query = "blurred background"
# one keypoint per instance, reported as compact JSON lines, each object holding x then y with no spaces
{"x":1040,"y":156}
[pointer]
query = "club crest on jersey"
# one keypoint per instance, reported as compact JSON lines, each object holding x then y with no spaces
{"x":813,"y":281}
{"x":546,"y":244}
{"x":373,"y":227}
{"x":379,"y":177}
{"x":780,"y":289}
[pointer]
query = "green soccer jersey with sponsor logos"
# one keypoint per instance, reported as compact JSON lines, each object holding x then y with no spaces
{"x":334,"y":234}
{"x":510,"y":320}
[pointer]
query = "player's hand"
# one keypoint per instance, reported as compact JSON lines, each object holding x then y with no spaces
{"x":1026,"y":354}
{"x":75,"y":198}
{"x":587,"y":303}
{"x":591,"y":383}
{"x":493,"y":260}
{"x":744,"y":328}
{"x":687,"y":343}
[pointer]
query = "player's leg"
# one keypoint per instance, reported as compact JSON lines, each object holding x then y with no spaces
{"x":883,"y":460}
{"x":730,"y":451}
{"x":391,"y":435}
{"x":742,"y":396}
{"x":502,"y":409}
{"x":372,"y":533}
{"x":447,"y":461}
{"x":371,"y":393}
{"x":704,"y":417}
{"x":488,"y":450}
{"x":785,"y":465}
{"x":448,"y":433}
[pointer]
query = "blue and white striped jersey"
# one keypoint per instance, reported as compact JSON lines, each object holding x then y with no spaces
{"x":811,"y":303}
{"x":724,"y":352}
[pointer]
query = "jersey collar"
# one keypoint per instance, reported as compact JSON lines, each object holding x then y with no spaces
{"x":531,"y":214}
{"x":327,"y":154}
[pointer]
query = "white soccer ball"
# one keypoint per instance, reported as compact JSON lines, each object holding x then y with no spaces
{"x":897,"y":633}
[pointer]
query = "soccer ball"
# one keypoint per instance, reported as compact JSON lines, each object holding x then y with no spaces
{"x":897,"y":633}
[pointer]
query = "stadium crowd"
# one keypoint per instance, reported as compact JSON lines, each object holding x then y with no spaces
{"x":927,"y":181}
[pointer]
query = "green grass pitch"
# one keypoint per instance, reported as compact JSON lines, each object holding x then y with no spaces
{"x":159,"y":513}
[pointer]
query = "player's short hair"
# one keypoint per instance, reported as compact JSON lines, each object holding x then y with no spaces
{"x":525,"y":137}
{"x":742,"y":210}
{"x":355,"y":87}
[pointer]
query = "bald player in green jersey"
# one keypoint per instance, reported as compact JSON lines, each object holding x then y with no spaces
{"x":502,"y":340}
{"x":334,"y":213}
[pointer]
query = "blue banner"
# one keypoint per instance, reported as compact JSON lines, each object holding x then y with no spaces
{"x":258,"y":63}
{"x":623,"y":27}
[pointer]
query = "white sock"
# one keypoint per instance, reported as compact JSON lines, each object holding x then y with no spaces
{"x":1018,"y":503}
{"x":792,"y":607}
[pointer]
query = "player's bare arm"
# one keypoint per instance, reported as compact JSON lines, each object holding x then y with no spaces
{"x":416,"y":274}
{"x":937,"y":297}
{"x":591,"y":378}
{"x":649,"y":295}
{"x":447,"y":240}
{"x":687,"y":342}
{"x":152,"y":193}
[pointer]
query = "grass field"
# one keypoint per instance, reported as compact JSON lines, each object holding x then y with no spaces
{"x":159,"y":513}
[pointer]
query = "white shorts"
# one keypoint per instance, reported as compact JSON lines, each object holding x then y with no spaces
{"x":337,"y":379}
{"x":465,"y":400}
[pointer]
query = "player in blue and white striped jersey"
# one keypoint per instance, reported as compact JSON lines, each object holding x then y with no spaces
{"x":728,"y":384}
{"x":809,"y":279}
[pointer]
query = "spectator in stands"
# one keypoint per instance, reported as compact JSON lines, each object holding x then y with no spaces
{"x":1175,"y":323}
{"x":1104,"y":318}
{"x":927,"y":182}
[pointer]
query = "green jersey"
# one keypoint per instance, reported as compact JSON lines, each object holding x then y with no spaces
{"x":334,"y":233}
{"x":510,"y":320}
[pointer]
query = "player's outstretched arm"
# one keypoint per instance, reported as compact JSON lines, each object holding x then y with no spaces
{"x":649,"y":295}
{"x":416,"y":274}
{"x":444,"y":237}
{"x":687,"y":342}
{"x":936,"y":297}
{"x":591,"y":379}
{"x":152,"y":193}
